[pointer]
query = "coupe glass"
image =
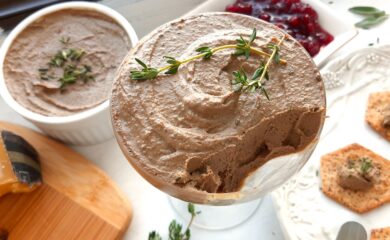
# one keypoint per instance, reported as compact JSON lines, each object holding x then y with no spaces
{"x":226,"y":210}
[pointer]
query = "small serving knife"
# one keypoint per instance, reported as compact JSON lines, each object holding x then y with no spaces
{"x":352,"y":231}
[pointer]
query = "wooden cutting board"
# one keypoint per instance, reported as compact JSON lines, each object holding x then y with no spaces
{"x":76,"y":201}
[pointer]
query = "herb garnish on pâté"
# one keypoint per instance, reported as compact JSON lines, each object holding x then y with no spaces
{"x":68,"y":59}
{"x":243,"y":47}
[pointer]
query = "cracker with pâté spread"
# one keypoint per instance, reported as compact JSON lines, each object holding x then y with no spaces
{"x":371,"y":191}
{"x":380,"y":234}
{"x":378,"y":113}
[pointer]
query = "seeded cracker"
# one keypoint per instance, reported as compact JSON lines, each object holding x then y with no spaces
{"x":377,"y":102}
{"x":358,"y":201}
{"x":380,"y":234}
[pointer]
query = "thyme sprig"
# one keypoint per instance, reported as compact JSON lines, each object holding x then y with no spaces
{"x":176,"y":229}
{"x":241,"y":82}
{"x":366,"y":165}
{"x":68,"y":59}
{"x":242,"y":47}
{"x":145,"y":73}
{"x":65,"y":40}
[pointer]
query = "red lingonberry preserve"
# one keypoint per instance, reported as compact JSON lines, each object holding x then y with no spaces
{"x":298,"y":19}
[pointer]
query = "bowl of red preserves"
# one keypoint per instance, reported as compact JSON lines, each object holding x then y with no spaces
{"x":312,"y":23}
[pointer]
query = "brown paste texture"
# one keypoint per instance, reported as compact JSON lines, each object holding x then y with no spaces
{"x":104,"y":41}
{"x":191,"y":130}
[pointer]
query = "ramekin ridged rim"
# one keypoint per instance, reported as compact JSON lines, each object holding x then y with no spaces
{"x":58,"y":120}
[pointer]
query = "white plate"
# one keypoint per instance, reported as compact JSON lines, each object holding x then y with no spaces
{"x":304,"y":211}
{"x":330,"y":21}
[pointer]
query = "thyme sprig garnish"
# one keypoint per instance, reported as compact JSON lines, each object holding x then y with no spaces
{"x":242,"y":47}
{"x":68,"y":59}
{"x":366,"y":165}
{"x":363,"y":164}
{"x":65,"y":40}
{"x":176,"y":229}
{"x":145,"y":73}
{"x":241,"y":81}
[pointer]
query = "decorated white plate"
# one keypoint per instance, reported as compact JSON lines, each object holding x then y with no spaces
{"x":304,"y":211}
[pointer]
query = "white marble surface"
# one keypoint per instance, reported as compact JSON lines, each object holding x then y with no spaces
{"x":151,"y":207}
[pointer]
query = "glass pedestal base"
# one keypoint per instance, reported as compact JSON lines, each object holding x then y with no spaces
{"x":216,"y":217}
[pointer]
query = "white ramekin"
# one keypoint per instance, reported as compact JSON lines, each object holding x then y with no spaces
{"x":85,"y":128}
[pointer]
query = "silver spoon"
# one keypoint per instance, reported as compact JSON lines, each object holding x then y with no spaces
{"x":352,"y":231}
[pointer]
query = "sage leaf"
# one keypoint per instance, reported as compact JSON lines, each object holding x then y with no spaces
{"x":367,"y":11}
{"x":370,"y":21}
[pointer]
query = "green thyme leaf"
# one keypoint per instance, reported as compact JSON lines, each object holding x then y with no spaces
{"x":242,"y":41}
{"x":174,"y":65}
{"x":371,"y":21}
{"x":366,"y":165}
{"x":175,"y":231}
{"x":170,"y":60}
{"x":247,"y":52}
{"x":253,"y":36}
{"x":141,"y":63}
{"x":258,"y":72}
{"x":65,"y":40}
{"x":154,"y":236}
{"x":187,"y":234}
{"x":240,"y":81}
{"x":172,"y":70}
{"x":366,"y":10}
{"x":264,"y":91}
{"x":275,"y":48}
{"x":191,"y":209}
{"x":239,"y":52}
{"x":146,"y":73}
{"x":68,"y":59}
{"x":207,"y":50}
{"x":243,"y":47}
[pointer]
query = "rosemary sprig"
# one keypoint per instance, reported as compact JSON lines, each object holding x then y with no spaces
{"x":176,"y":229}
{"x":68,"y":59}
